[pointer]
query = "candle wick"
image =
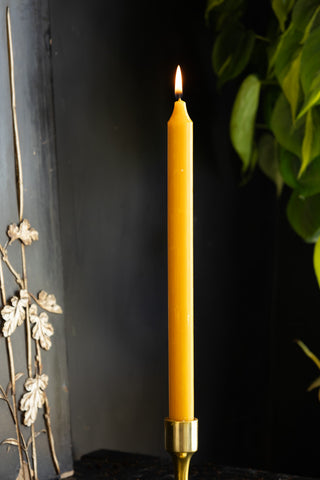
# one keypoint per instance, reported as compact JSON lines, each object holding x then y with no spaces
{"x":178,"y":96}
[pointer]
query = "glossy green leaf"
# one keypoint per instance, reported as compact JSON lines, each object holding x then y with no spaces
{"x":282,"y":8}
{"x":310,"y":61}
{"x":288,"y":135}
{"x":309,"y":182}
{"x":308,"y":353}
{"x":287,"y":50}
{"x":289,"y":165}
{"x":243,"y":119}
{"x":287,"y":61}
{"x":211,"y":4}
{"x":268,"y":160}
{"x":314,"y":384}
{"x":291,"y":84}
{"x":288,"y":45}
{"x":316,"y":260}
{"x":312,"y":98}
{"x":291,"y":136}
{"x":305,"y":16}
{"x":304,"y":216}
{"x":307,"y":143}
{"x":272,"y":52}
{"x":269,"y":98}
{"x":224,"y":12}
{"x":232,"y":51}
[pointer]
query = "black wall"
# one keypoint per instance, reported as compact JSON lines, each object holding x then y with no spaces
{"x":114,"y":64}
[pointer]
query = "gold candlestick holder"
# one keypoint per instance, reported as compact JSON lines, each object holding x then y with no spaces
{"x":181,"y":441}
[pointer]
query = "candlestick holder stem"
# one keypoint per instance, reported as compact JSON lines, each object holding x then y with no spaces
{"x":181,"y":441}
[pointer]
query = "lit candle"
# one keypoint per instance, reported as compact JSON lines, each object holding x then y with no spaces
{"x":180,"y":259}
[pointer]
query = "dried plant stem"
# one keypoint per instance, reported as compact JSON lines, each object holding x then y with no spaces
{"x":38,"y":358}
{"x":50,"y":435}
{"x":14,"y":399}
{"x":12,"y":372}
{"x":14,"y":119}
{"x":19,"y":180}
{"x":23,"y":283}
{"x":5,"y":258}
{"x":29,"y":356}
{"x":24,"y":446}
{"x":28,"y":328}
{"x":47,"y":414}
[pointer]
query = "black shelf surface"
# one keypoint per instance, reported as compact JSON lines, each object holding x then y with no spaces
{"x":113,"y":465}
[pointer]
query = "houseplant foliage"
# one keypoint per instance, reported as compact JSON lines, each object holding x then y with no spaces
{"x":275,"y":120}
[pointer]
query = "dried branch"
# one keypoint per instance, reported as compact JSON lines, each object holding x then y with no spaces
{"x":24,"y":445}
{"x":12,"y":372}
{"x":29,"y":356}
{"x":19,"y":176}
{"x":50,"y":436}
{"x":5,"y":258}
{"x":28,"y":327}
{"x":26,"y":235}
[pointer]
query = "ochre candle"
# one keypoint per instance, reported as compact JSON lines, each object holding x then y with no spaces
{"x":180,"y":260}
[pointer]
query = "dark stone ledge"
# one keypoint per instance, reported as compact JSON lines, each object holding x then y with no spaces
{"x":112,"y":465}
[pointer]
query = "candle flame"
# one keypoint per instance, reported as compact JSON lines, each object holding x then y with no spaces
{"x":178,"y":82}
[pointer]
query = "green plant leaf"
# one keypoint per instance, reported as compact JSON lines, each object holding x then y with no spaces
{"x":304,"y":14}
{"x":211,"y":4}
{"x":307,"y":143}
{"x":291,"y":84}
{"x":308,"y":353}
{"x":287,"y":48}
{"x":243,"y":119}
{"x":316,"y":260}
{"x":282,"y":8}
{"x":314,"y":384}
{"x":309,"y":182}
{"x":313,"y":96}
{"x":304,"y":216}
{"x":268,"y":160}
{"x":224,"y":12}
{"x":287,"y":61}
{"x":289,"y":135}
{"x":231,"y":51}
{"x":289,"y":168}
{"x":310,"y":61}
{"x":269,"y":98}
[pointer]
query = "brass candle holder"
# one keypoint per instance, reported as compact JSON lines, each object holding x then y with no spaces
{"x":181,"y":441}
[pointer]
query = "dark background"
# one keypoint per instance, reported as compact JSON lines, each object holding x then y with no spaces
{"x":255,"y":291}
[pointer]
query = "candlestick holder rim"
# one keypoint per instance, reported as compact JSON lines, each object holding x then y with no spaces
{"x":181,"y":435}
{"x":181,"y":441}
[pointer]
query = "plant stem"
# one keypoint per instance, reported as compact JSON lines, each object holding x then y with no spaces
{"x":263,"y":39}
{"x":29,"y":355}
{"x":50,"y":435}
{"x":23,"y":283}
{"x":14,"y":119}
{"x":24,"y":446}
{"x":47,"y":413}
{"x":5,"y":258}
{"x":12,"y":371}
{"x":19,"y":180}
{"x":28,"y":328}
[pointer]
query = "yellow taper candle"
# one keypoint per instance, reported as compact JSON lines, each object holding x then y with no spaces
{"x":180,"y":259}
